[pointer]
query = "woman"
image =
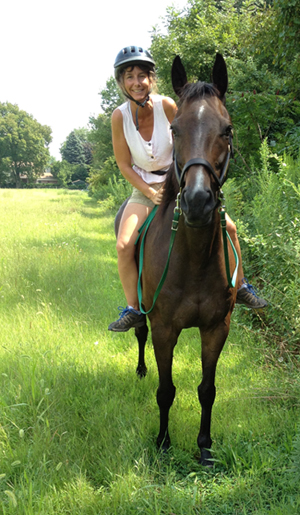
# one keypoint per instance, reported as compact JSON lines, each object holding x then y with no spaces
{"x":143,"y":145}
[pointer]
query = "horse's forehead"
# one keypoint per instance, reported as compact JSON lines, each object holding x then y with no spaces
{"x":206,"y":109}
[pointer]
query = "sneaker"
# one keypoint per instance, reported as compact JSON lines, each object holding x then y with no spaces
{"x":128,"y":318}
{"x":246,"y":295}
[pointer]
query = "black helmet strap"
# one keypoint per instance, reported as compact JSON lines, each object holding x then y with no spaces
{"x":139,"y":104}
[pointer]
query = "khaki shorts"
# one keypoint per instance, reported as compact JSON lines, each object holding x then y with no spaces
{"x":138,"y":197}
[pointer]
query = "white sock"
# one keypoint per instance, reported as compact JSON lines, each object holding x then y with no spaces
{"x":136,"y":310}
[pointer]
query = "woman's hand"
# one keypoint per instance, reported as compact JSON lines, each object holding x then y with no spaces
{"x":156,"y":196}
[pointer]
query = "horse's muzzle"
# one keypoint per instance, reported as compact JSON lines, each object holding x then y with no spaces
{"x":197,"y":206}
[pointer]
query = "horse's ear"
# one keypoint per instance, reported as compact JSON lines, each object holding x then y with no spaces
{"x":179,"y":78}
{"x":219,"y":75}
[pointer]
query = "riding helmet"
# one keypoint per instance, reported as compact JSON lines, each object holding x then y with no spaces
{"x":133,"y":54}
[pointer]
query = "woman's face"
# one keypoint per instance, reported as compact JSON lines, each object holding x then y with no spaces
{"x":136,"y":83}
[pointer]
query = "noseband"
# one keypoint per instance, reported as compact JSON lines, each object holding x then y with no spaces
{"x":199,"y":161}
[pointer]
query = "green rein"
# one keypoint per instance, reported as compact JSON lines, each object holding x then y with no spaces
{"x":174,"y":227}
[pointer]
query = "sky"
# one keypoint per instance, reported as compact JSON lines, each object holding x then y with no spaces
{"x":57,"y":56}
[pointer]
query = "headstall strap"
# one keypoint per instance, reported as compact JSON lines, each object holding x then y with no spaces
{"x":199,"y":161}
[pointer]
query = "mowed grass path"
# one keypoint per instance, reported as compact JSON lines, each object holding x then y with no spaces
{"x":78,"y":428}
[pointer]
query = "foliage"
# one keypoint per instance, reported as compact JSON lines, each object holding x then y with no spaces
{"x":285,"y":41}
{"x":77,"y":148}
{"x":111,"y":97}
{"x":103,"y":165}
{"x":259,"y":117}
{"x":295,"y":458}
{"x":268,"y":219}
{"x":98,"y":179}
{"x":113,"y":194}
{"x":260,"y":101}
{"x":67,"y":173}
{"x":77,"y":152}
{"x":83,"y":135}
{"x":72,"y":149}
{"x":197,"y":33}
{"x":23,"y":146}
{"x":100,"y":138}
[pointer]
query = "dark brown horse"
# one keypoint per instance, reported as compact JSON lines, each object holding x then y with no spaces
{"x":196,"y":291}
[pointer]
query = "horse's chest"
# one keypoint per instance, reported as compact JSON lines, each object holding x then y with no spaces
{"x":194,"y":303}
{"x":204,"y":308}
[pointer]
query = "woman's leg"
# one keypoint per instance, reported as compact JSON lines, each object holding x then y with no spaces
{"x":246,"y":294}
{"x":133,"y":217}
{"x":231,"y":228}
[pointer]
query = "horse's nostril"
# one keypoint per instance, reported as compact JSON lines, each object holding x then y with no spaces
{"x":184,"y":205}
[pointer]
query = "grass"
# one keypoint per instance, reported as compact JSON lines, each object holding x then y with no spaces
{"x":78,"y":428}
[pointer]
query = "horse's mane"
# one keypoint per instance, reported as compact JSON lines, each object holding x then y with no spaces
{"x":195,"y":90}
{"x":189,"y":92}
{"x":171,"y":188}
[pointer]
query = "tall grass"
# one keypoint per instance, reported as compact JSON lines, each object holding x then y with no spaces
{"x":78,"y":428}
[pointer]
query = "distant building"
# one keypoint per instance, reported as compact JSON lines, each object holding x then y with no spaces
{"x":47,"y":178}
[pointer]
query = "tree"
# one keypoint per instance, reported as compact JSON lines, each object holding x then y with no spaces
{"x":23,"y":146}
{"x":104,"y":165}
{"x":100,"y":137}
{"x":62,"y":171}
{"x":111,"y":97}
{"x":72,"y":149}
{"x":77,"y":151}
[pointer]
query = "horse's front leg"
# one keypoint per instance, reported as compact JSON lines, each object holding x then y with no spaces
{"x":141,"y":333}
{"x":164,"y":342}
{"x":212,"y":345}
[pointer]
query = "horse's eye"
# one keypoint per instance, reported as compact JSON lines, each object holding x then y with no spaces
{"x":173,"y":130}
{"x":228,"y":131}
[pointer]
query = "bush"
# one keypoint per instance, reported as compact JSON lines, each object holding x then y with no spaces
{"x":269,"y":227}
{"x":114,"y":193}
{"x":99,"y":178}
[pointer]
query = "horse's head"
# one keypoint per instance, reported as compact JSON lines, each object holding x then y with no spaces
{"x":202,"y":141}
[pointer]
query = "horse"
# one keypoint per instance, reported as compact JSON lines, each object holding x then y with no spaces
{"x":196,"y":292}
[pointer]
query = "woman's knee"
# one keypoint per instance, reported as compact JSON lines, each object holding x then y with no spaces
{"x":125,"y":249}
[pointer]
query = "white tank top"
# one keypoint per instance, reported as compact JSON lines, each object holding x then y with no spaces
{"x":156,"y":154}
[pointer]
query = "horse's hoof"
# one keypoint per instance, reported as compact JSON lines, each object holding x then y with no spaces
{"x":163,"y":445}
{"x":206,"y":458}
{"x":141,"y":371}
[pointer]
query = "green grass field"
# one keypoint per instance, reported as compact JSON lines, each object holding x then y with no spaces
{"x":78,"y":428}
